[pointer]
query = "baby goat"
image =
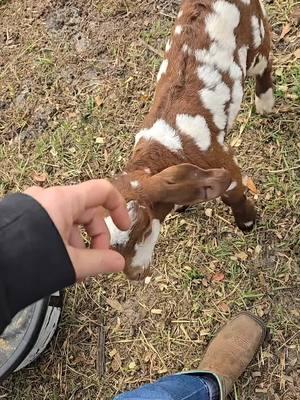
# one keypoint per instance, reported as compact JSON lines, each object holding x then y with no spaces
{"x":179,"y":156}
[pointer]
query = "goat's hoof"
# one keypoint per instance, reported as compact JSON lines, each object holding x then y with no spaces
{"x":181,"y":209}
{"x":246,"y":226}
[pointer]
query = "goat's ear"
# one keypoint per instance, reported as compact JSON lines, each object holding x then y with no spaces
{"x":186,"y":184}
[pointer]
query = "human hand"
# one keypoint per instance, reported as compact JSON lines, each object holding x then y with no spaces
{"x":71,"y":207}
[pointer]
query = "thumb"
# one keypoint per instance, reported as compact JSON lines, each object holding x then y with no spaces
{"x":91,"y":262}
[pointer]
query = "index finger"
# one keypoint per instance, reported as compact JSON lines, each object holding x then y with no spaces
{"x":95,"y":193}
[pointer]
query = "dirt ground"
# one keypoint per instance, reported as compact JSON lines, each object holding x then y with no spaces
{"x":76,"y":79}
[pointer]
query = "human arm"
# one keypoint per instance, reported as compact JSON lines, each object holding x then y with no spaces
{"x":41,"y":248}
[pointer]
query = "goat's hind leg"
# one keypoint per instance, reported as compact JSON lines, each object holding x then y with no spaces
{"x":264,"y":97}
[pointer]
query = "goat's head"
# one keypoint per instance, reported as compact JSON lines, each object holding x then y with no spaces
{"x":149,"y":200}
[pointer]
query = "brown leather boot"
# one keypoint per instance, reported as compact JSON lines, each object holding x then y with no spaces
{"x":232,"y":350}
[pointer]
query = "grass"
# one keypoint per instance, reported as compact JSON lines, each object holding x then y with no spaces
{"x":72,"y":115}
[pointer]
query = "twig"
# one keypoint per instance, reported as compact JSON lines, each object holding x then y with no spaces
{"x":167,"y":15}
{"x":224,"y":220}
{"x":284,"y":170}
{"x":287,"y":341}
{"x":152,"y":348}
{"x":100,"y":363}
{"x":153,"y":49}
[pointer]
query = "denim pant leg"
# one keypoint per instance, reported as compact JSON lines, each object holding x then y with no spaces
{"x":176,"y":387}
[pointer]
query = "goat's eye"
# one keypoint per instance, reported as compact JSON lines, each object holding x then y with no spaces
{"x":170,"y":182}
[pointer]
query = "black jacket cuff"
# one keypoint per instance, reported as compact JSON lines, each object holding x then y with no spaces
{"x":33,"y":259}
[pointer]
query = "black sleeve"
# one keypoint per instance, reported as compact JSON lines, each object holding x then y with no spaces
{"x":33,"y":259}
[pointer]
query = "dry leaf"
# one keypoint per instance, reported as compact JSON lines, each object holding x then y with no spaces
{"x":115,"y":304}
{"x":156,"y":311}
{"x":148,"y":356}
{"x":163,"y":371}
{"x":268,"y":196}
{"x":260,"y":311}
{"x":297,"y":53}
{"x":132,"y":365}
{"x":296,"y":15}
{"x":285,"y":31}
{"x":99,"y":140}
{"x":256,"y":374}
{"x":218,"y":277}
{"x":236,"y":142}
{"x":258,"y":249}
{"x":208,"y":212}
{"x":204,"y":282}
{"x":251,"y":186}
{"x":242,"y":255}
{"x":147,"y":280}
{"x":224,"y":308}
{"x":162,"y":287}
{"x":98,"y":101}
{"x":40,"y":178}
{"x":116,"y":362}
{"x":112,"y":353}
{"x":72,"y":115}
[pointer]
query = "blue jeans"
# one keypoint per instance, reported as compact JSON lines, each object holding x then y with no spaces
{"x":176,"y":387}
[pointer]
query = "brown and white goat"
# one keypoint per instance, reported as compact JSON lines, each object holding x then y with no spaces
{"x":179,"y":156}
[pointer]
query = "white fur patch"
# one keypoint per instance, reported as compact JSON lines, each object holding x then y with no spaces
{"x":209,"y":76}
{"x":220,"y":137}
{"x":118,"y":237}
{"x":243,"y":58}
{"x":221,"y":24}
{"x":168,"y":45}
{"x":215,"y":101}
{"x":235,"y":71}
{"x":195,"y":127}
{"x":180,"y":14}
{"x":134,"y":184}
{"x":236,"y":100}
{"x":162,"y":133}
{"x":178,"y":30}
{"x":256,"y":31}
{"x":258,"y":67}
{"x":262,"y":29}
{"x":162,"y":69}
{"x":187,"y":49}
{"x":247,"y":2}
{"x":249,"y":223}
{"x":232,"y":186}
{"x":265,"y":102}
{"x":144,"y":250}
{"x":217,"y":56}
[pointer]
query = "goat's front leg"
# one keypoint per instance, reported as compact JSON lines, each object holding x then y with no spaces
{"x":242,"y":208}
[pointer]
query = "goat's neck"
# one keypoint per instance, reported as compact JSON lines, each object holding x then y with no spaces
{"x":152,"y":158}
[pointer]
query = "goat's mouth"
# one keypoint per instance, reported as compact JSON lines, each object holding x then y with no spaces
{"x":136,"y":273}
